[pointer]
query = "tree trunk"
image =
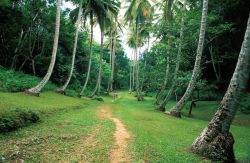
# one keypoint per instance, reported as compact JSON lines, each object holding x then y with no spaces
{"x":98,"y":81}
{"x":35,"y":90}
{"x":213,"y":63}
{"x":144,"y":67}
{"x":133,"y":86}
{"x":138,"y":91}
{"x":164,"y":85}
{"x":113,"y":64}
{"x":130,"y":78}
{"x":62,"y":89}
{"x":90,"y":56}
{"x":176,"y":110}
{"x":178,"y":58}
{"x":216,"y":142}
{"x":110,"y":61}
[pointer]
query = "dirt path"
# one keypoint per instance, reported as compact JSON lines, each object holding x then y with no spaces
{"x":119,"y":152}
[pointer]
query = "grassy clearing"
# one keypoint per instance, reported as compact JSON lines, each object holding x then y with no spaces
{"x":67,"y":135}
{"x":73,"y":131}
{"x":161,"y":138}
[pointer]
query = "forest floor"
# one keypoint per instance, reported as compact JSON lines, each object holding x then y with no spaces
{"x":84,"y":130}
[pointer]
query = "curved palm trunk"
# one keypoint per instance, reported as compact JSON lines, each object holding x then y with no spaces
{"x":98,"y":82}
{"x":90,"y":58}
{"x":171,"y":89}
{"x":176,"y":110}
{"x":62,"y":89}
{"x":35,"y":90}
{"x":216,"y":142}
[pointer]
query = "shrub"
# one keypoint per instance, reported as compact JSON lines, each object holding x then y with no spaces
{"x":13,"y":81}
{"x":15,"y":119}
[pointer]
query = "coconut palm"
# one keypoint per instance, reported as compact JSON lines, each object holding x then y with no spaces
{"x":36,"y":90}
{"x":216,"y":141}
{"x":138,"y":12}
{"x":62,"y":89}
{"x":171,"y":89}
{"x":107,"y":8}
{"x":167,"y":6}
{"x":176,"y":110}
{"x":96,"y":9}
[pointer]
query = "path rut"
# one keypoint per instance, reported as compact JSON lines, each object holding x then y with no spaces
{"x":119,"y":152}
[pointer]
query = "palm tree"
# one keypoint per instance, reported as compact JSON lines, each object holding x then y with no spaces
{"x":171,"y":89}
{"x":104,"y":20}
{"x":167,"y":18}
{"x":176,"y":110}
{"x":36,"y":90}
{"x":138,"y":12}
{"x":62,"y":89}
{"x":216,"y":141}
{"x":96,"y":9}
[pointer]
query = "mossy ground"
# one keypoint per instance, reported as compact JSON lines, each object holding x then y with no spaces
{"x":70,"y":130}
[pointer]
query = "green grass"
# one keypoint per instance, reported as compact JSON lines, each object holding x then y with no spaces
{"x":162,"y":138}
{"x":64,"y":130}
{"x":70,"y":130}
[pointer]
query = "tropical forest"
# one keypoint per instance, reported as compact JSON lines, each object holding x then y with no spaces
{"x":125,"y":81}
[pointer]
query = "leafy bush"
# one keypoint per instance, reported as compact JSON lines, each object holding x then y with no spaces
{"x":245,"y":104}
{"x":13,"y":81}
{"x":15,"y":119}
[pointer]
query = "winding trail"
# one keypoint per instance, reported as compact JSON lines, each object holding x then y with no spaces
{"x":119,"y":152}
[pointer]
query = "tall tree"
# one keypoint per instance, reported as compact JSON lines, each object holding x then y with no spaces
{"x":178,"y":57}
{"x":138,"y":12}
{"x":104,"y":21}
{"x":216,"y":141}
{"x":62,"y":89}
{"x":36,"y":90}
{"x":176,"y":110}
{"x":167,"y":18}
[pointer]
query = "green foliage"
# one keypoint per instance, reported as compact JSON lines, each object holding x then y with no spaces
{"x":18,"y":118}
{"x":245,"y":104}
{"x":13,"y":81}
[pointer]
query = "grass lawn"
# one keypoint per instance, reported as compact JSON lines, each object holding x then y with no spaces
{"x":70,"y":130}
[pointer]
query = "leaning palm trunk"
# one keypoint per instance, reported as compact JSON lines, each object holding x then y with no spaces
{"x":216,"y":142}
{"x":90,"y":59}
{"x":35,"y":90}
{"x":178,"y":57}
{"x":62,"y":89}
{"x":176,"y":110}
{"x":98,"y":81}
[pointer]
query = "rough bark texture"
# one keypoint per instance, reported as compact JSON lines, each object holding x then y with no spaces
{"x":179,"y":106}
{"x":166,"y":99}
{"x":62,"y":89}
{"x":37,"y":89}
{"x":216,"y":142}
{"x":90,"y":58}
